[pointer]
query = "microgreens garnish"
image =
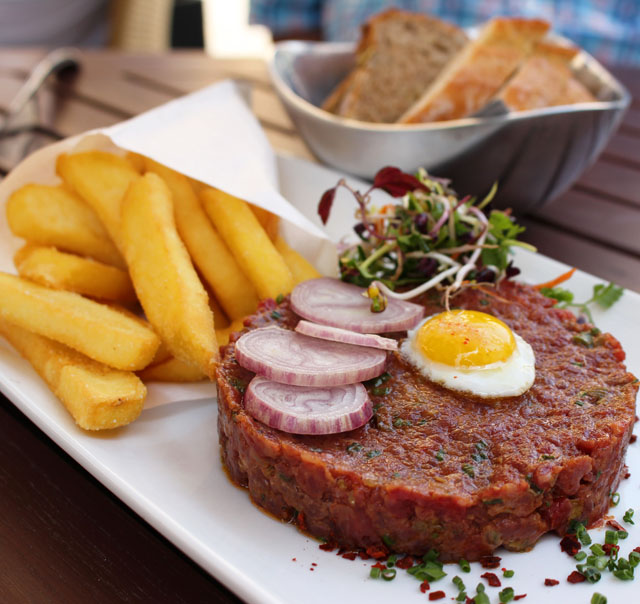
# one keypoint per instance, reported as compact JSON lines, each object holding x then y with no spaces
{"x":430,"y":238}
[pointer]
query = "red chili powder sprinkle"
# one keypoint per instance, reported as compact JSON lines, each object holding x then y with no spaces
{"x":570,"y":545}
{"x":492,"y":579}
{"x":406,"y":562}
{"x":637,"y":549}
{"x":575,"y":577}
{"x":615,"y":525}
{"x":551,"y":582}
{"x":520,"y":597}
{"x":313,"y":564}
{"x":312,"y":568}
{"x":490,"y":561}
{"x":633,"y":438}
{"x":609,"y":547}
{"x":379,"y":553}
{"x":437,"y":595}
{"x":349,"y":556}
{"x":627,"y":475}
{"x":293,"y":559}
{"x":424,"y":586}
{"x":379,"y":565}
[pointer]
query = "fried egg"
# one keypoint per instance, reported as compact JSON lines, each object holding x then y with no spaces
{"x":472,"y":352}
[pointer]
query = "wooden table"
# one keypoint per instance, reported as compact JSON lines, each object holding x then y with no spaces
{"x":64,"y":537}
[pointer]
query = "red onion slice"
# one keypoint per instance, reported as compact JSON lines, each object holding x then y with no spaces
{"x":305,"y":410}
{"x":338,"y":304}
{"x":291,"y":358}
{"x":337,"y":334}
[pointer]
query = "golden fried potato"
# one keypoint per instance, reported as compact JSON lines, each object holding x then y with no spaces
{"x":172,"y":370}
{"x":249,"y":243}
{"x":97,"y":330}
{"x":224,"y":333}
{"x":218,"y":268}
{"x":165,"y":281}
{"x":101,"y":179}
{"x":49,"y":215}
{"x":220,"y":318}
{"x":97,"y":396}
{"x":136,"y":160}
{"x":300,"y":267}
{"x":270,"y":222}
{"x":59,"y":270}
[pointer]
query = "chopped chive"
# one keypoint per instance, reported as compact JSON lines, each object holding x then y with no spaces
{"x":582,"y":535}
{"x":597,"y":598}
{"x":622,"y":534}
{"x":464,"y":565}
{"x":611,"y":537}
{"x":457,"y":581}
{"x":467,"y":468}
{"x":279,"y":298}
{"x":596,"y":549}
{"x":508,"y":573}
{"x":374,"y":573}
{"x":580,"y":556}
{"x":440,"y":454}
{"x":388,"y":574}
{"x":373,"y":453}
{"x":615,"y":499}
{"x":506,"y":595}
{"x":628,"y":516}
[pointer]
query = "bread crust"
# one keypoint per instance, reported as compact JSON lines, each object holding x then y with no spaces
{"x":478,"y":72}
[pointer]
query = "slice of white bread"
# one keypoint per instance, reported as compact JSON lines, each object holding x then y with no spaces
{"x":541,"y":79}
{"x":478,"y":72}
{"x":399,"y":55}
{"x":574,"y":92}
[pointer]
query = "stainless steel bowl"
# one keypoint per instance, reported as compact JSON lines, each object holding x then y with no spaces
{"x":534,"y":155}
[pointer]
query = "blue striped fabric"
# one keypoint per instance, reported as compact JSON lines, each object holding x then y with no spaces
{"x":608,"y":29}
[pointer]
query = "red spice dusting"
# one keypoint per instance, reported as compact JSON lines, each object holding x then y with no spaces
{"x":633,"y":438}
{"x":615,"y":525}
{"x":492,"y":579}
{"x":570,"y":545}
{"x":424,"y":586}
{"x":377,"y":552}
{"x":329,"y":546}
{"x":293,"y":559}
{"x":437,"y":595}
{"x":379,"y":565}
{"x":575,"y":577}
{"x":350,"y":556}
{"x":520,"y":597}
{"x":551,"y":582}
{"x":490,"y":561}
{"x":609,"y":547}
{"x":406,"y":562}
{"x":627,"y":475}
{"x":363,"y":555}
{"x":313,"y":564}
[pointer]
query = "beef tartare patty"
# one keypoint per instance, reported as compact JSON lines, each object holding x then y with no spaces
{"x":440,"y":469}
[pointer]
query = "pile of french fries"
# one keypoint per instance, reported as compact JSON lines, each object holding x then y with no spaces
{"x":132,"y":272}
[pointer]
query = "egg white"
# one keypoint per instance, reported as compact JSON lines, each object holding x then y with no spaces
{"x":505,"y":378}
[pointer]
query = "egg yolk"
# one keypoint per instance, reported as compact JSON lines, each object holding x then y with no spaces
{"x":465,"y":338}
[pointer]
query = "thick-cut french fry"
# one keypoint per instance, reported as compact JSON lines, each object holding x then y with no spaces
{"x":52,"y":215}
{"x":248,"y":242}
{"x":59,"y":270}
{"x":300,"y":267}
{"x":224,"y":333}
{"x":270,"y":222}
{"x":167,"y":285}
{"x":137,"y":161}
{"x":218,"y":268}
{"x":101,"y":179}
{"x":97,"y":396}
{"x":97,"y":330}
{"x":220,"y":318}
{"x":172,"y":370}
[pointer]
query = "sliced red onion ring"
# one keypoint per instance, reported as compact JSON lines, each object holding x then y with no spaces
{"x":337,"y":334}
{"x":305,"y":410}
{"x":291,"y":358}
{"x":338,"y":304}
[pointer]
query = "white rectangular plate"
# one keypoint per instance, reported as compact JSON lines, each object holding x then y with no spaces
{"x":166,"y":466}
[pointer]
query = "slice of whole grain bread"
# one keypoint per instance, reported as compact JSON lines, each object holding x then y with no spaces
{"x":399,"y":55}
